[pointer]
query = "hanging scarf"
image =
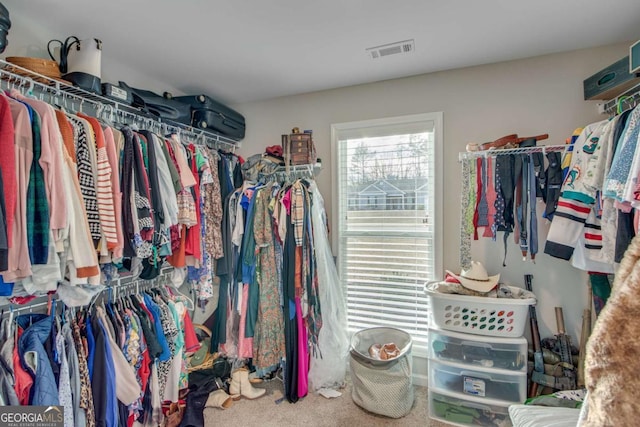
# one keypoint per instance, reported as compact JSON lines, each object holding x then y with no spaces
{"x":505,"y":185}
{"x":490,"y":191}
{"x":465,"y":238}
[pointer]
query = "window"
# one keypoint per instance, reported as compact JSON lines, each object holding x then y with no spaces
{"x":386,"y":249}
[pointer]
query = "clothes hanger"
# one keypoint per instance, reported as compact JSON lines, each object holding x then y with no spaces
{"x":179,"y":296}
{"x":128,"y":302}
{"x":26,"y":87}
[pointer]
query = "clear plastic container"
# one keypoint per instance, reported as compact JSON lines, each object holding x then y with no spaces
{"x":466,"y":410}
{"x":478,"y":351}
{"x":482,"y":383}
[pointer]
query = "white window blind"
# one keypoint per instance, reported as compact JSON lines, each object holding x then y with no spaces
{"x":387,"y":221}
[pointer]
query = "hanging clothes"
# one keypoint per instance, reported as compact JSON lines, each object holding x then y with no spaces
{"x":8,"y":164}
{"x":269,"y":347}
{"x":578,"y":197}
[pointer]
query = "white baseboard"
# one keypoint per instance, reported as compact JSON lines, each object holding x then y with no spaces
{"x":420,"y":380}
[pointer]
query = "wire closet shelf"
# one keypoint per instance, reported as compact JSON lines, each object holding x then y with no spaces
{"x":627,"y":99}
{"x":12,"y":75}
{"x":125,"y":284}
{"x":470,"y":155}
{"x":285,"y":173}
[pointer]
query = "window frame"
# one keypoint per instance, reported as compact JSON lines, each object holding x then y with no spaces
{"x":438,"y":129}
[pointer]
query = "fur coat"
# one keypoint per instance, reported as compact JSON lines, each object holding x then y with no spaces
{"x":612,"y":363}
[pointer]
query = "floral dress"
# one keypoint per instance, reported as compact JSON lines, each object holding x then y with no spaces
{"x":268,"y":341}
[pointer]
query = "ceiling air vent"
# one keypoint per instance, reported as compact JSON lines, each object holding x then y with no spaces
{"x":403,"y":47}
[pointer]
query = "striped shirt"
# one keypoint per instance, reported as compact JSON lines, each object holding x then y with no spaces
{"x":104,"y":189}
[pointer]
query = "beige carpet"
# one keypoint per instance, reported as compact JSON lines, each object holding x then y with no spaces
{"x":313,"y":410}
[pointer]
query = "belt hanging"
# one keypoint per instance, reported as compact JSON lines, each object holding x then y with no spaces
{"x":523,"y":209}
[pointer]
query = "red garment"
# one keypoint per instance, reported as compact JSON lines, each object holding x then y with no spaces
{"x":476,"y":215}
{"x":22,"y":300}
{"x":144,"y":371}
{"x":491,"y":199}
{"x":191,"y":342}
{"x":172,"y":155}
{"x":274,"y":150}
{"x":146,"y":310}
{"x":177,"y":258}
{"x":8,"y":165}
{"x":23,"y":380}
{"x":193,"y":244}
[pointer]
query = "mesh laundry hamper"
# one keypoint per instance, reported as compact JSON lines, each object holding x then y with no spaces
{"x":383,"y":387}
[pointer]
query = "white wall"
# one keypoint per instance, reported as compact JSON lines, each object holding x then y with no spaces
{"x":528,"y":97}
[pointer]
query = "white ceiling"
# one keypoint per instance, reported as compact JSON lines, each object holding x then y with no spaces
{"x":241,"y":51}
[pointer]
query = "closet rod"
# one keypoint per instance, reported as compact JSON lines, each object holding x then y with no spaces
{"x":469,"y":155}
{"x":12,"y":308}
{"x":133,"y":284}
{"x":293,"y":169}
{"x":26,"y":78}
{"x":298,"y":171}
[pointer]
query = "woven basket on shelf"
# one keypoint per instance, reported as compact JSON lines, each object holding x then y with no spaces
{"x":45,"y":67}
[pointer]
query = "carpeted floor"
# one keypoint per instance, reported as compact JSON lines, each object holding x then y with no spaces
{"x":314,"y":410}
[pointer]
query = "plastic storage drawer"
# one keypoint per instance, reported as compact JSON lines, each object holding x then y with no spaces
{"x":486,"y":383}
{"x":478,"y":351}
{"x":465,"y":411}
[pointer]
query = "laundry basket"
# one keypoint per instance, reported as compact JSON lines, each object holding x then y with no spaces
{"x":383,"y":387}
{"x":499,"y":317}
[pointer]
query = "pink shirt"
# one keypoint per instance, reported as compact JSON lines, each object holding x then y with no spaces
{"x":50,"y":160}
{"x":186,"y":176}
{"x":19,"y":262}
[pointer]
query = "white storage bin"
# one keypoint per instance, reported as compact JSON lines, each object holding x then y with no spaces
{"x":466,"y":410}
{"x":502,"y":317}
{"x":485,"y":383}
{"x":478,"y":351}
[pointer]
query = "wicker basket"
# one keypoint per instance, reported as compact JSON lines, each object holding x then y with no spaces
{"x":201,"y":359}
{"x":46,"y":67}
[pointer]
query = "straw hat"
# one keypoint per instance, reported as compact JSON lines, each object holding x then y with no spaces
{"x":476,"y":278}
